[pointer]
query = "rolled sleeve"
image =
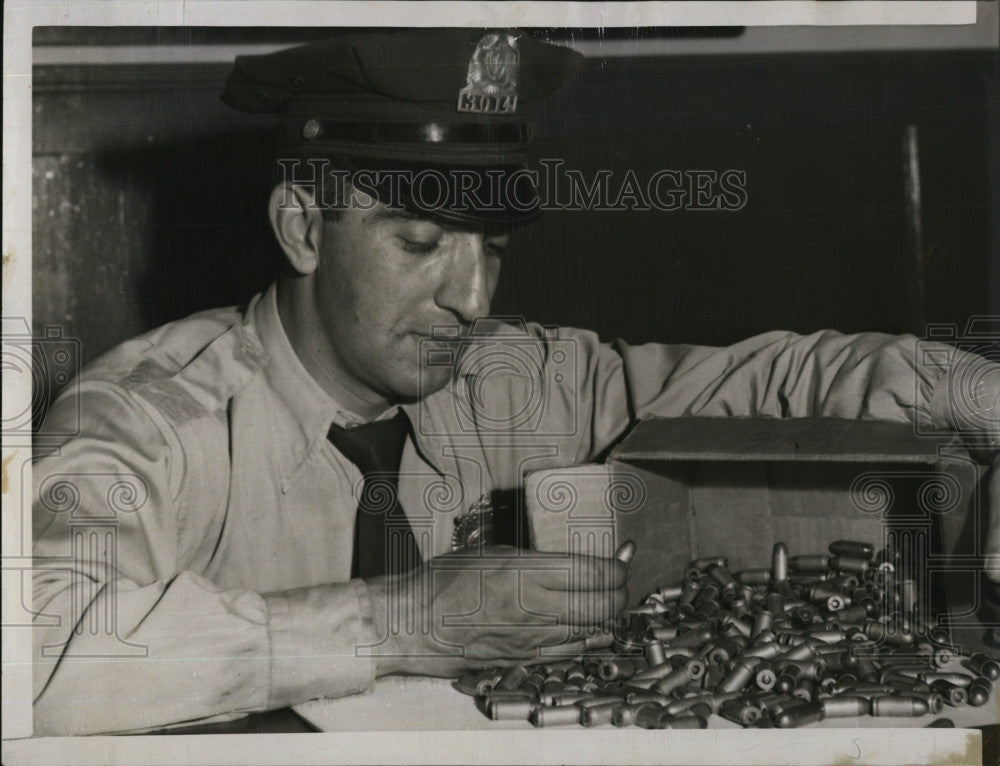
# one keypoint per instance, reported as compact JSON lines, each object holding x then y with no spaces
{"x":315,"y":635}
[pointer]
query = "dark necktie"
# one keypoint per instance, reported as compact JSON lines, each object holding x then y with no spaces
{"x":383,"y":539}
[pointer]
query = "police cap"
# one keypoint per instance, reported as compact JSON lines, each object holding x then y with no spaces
{"x":451,"y":101}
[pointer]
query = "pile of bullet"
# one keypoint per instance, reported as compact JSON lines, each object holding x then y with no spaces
{"x":810,"y":638}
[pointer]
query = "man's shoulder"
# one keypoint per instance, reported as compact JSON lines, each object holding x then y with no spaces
{"x":186,"y":368}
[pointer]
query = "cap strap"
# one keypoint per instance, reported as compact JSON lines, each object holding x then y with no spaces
{"x":417,"y":132}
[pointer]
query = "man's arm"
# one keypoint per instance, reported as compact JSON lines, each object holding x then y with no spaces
{"x":140,"y":641}
{"x":781,"y":374}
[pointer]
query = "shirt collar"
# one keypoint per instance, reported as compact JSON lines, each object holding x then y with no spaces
{"x":311,"y":409}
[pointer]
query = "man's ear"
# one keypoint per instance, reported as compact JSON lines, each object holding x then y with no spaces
{"x":297,"y":224}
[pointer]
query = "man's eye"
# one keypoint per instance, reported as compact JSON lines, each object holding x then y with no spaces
{"x":419,"y":246}
{"x":497,"y":250}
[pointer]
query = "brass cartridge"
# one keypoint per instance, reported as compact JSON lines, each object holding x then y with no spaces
{"x":511,"y":709}
{"x":655,"y":653}
{"x":754,"y":576}
{"x":779,"y":562}
{"x":739,"y":711}
{"x":648,"y":716}
{"x":952,"y":694}
{"x":598,"y":715}
{"x":811,"y":563}
{"x":684,"y":722}
{"x":554,"y":716}
{"x":514,"y":676}
{"x":902,"y":706}
{"x":845,"y":706}
{"x":849,"y":564}
{"x":853,"y":548}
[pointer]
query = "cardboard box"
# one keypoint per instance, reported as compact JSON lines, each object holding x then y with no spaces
{"x":683,"y":488}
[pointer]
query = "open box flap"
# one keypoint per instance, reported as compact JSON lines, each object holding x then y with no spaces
{"x":756,"y":439}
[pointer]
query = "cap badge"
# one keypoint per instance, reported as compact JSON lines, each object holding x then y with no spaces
{"x":491,"y":83}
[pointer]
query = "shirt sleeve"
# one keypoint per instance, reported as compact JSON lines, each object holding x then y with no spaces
{"x":872,"y":376}
{"x":125,"y":638}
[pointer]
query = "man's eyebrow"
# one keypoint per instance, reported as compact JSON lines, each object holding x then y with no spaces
{"x":395,"y":214}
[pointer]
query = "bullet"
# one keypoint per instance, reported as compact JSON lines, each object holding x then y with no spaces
{"x":570,"y":698}
{"x":651,"y":675}
{"x":952,"y":694}
{"x":554,"y":716}
{"x":492,"y":701}
{"x":845,"y":706}
{"x":779,"y":562}
{"x":774,"y":602}
{"x":625,"y":551}
{"x":599,"y":715}
{"x":662,"y":632}
{"x":754,"y":576}
{"x":978,"y":692}
{"x":878,"y":631}
{"x":620,"y":668}
{"x":704,"y":563}
{"x":739,"y":711}
{"x":655,"y":653}
{"x":693,"y":638}
{"x":724,"y":651}
{"x":761,"y":623}
{"x":946,"y":658}
{"x":513,"y":677}
{"x":901,"y":706}
{"x":511,"y":709}
{"x":848,"y":564}
{"x":801,"y":715}
{"x":670,"y":593}
{"x":624,"y":715}
{"x":805,"y":690}
{"x":690,"y":672}
{"x":958,"y":679}
{"x":685,"y":722}
{"x":476,"y":684}
{"x":596,"y":700}
{"x":740,"y":675}
{"x":828,"y":636}
{"x":765,"y":677}
{"x":817,"y":563}
{"x":802,"y":651}
{"x":648,"y":716}
{"x":576,"y":674}
{"x":688,"y":592}
{"x":851,"y":615}
{"x":734,"y":625}
{"x":852,"y":548}
{"x":983,"y":665}
{"x":534,"y":682}
{"x":787,"y":678}
{"x":721,"y":574}
{"x":764,"y":651}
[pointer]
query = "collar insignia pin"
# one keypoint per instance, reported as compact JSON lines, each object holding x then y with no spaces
{"x":491,"y":82}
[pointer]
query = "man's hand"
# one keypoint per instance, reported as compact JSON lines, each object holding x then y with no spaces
{"x":495,"y":606}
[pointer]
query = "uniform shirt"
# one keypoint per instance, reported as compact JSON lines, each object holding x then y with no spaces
{"x":193,"y":540}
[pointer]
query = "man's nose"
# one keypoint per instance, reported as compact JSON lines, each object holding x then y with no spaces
{"x":467,"y":284}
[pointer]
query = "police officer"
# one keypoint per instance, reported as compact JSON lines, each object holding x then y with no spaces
{"x":297,"y":468}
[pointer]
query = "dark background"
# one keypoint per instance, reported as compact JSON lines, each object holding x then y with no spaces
{"x":149,"y":195}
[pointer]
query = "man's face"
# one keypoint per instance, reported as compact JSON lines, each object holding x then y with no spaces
{"x":385,"y":278}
